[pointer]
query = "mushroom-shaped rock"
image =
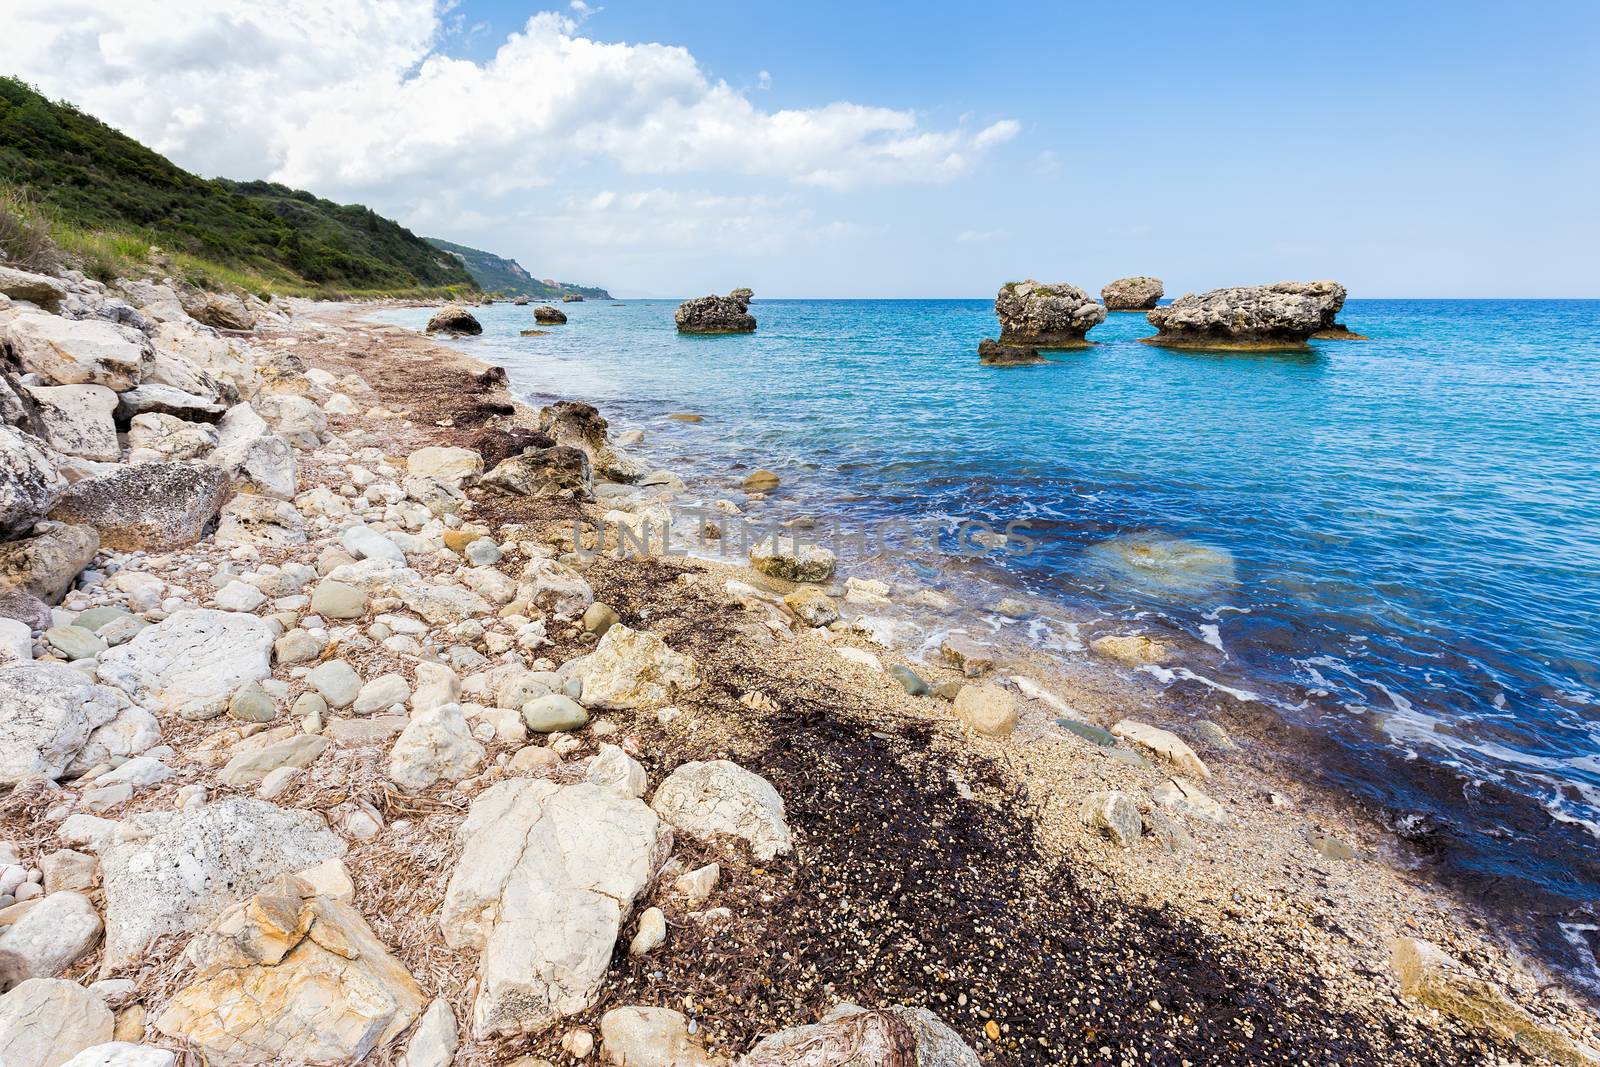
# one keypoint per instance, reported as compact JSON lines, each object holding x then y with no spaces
{"x":1268,"y":317}
{"x":721,"y":797}
{"x":549,"y":316}
{"x":1035,"y":315}
{"x":992,"y":353}
{"x":456,"y":320}
{"x":1139,"y":293}
{"x":717,"y":314}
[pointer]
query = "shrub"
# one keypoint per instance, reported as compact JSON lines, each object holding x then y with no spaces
{"x":24,"y":235}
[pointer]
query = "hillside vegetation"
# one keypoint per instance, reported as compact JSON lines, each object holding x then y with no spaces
{"x":105,"y":199}
{"x":496,"y":274}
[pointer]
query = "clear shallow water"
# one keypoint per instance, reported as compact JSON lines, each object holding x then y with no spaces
{"x":1403,"y":534}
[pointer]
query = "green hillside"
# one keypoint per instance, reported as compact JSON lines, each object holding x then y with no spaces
{"x":106,"y":199}
{"x":495,"y":274}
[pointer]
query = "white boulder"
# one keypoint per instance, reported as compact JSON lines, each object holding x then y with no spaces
{"x":191,"y":662}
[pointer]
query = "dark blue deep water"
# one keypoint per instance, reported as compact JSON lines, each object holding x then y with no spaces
{"x":1395,"y":541}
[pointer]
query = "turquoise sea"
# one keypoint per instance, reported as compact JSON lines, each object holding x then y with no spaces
{"x":1396,"y":542}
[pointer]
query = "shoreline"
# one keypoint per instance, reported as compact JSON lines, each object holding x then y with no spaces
{"x":1318,"y":812}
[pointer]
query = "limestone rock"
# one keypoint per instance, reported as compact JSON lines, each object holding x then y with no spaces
{"x":44,"y":1022}
{"x":54,"y":934}
{"x":224,"y":311}
{"x":717,"y":314}
{"x":1184,"y":796}
{"x":992,"y":353}
{"x":433,"y":1043}
{"x":249,"y":519}
{"x":28,"y":481}
{"x":154,"y":437}
{"x":455,"y":320}
{"x":153,"y":507}
{"x":852,"y":1037}
{"x":1139,"y":293}
{"x":458,"y":466}
{"x":289,"y":976}
{"x":1277,"y":316}
{"x":547,"y":875}
{"x":548,"y":315}
{"x":191,"y":662}
{"x":1162,"y":743}
{"x":296,"y":419}
{"x":650,"y":1037}
{"x":250,"y":767}
{"x":37,"y":289}
{"x":251,"y":452}
{"x":168,"y":400}
{"x":987,"y":709}
{"x":1114,"y":813}
{"x":721,"y":797}
{"x":579,"y":425}
{"x":76,"y":420}
{"x":46,"y":564}
{"x":74,"y":351}
{"x":1132,"y":650}
{"x":789,"y":558}
{"x":174,"y":872}
{"x":435,"y":745}
{"x":549,"y":586}
{"x":634,"y":669}
{"x":1034,"y":315}
{"x":123,"y":1054}
{"x":813,"y":606}
{"x":48,"y":714}
{"x":555,"y":471}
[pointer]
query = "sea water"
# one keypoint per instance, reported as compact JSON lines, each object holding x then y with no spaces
{"x":1395,"y":541}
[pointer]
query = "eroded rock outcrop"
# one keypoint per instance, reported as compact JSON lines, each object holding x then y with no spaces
{"x":1035,"y":315}
{"x":456,"y":320}
{"x":994,"y":354}
{"x":717,"y":314}
{"x":555,"y":471}
{"x":579,"y":425}
{"x":1284,"y":315}
{"x":548,"y":315}
{"x":1139,"y":293}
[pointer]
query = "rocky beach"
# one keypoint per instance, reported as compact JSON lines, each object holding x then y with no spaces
{"x":343,"y":722}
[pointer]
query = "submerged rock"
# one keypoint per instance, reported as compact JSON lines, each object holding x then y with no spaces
{"x":1139,"y":293}
{"x":1284,"y":315}
{"x":1034,"y":315}
{"x":994,"y":354}
{"x":548,"y":315}
{"x":454,"y":319}
{"x":1170,"y":565}
{"x":717,"y":314}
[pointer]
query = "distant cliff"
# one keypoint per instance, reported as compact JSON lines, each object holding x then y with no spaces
{"x":495,"y":274}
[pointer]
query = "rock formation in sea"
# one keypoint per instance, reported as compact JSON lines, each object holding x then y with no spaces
{"x":1138,"y":293}
{"x":548,"y":315}
{"x":717,"y":314}
{"x":454,"y":319}
{"x":993,"y":353}
{"x":1284,"y":315}
{"x":572,"y":298}
{"x":1034,"y":315}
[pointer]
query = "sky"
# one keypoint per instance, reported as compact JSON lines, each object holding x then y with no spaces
{"x":824,"y":149}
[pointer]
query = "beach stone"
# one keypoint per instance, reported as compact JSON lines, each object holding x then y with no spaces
{"x":74,"y":642}
{"x":1330,"y":847}
{"x":1215,"y":735}
{"x":152,"y":507}
{"x":966,"y":655}
{"x":66,"y":869}
{"x":130,"y":731}
{"x":239,"y":596}
{"x":381,"y":693}
{"x":1138,"y":293}
{"x":45,"y":565}
{"x":792,"y":561}
{"x":1430,"y":976}
{"x":165,"y":402}
{"x":435,"y":745}
{"x":249,"y":519}
{"x":651,"y":934}
{"x":251,"y":453}
{"x":552,"y":713}
{"x":850,"y":1036}
{"x":337,"y":681}
{"x":558,"y":470}
{"x":987,"y":709}
{"x":546,"y":877}
{"x":223,"y":311}
{"x":1183,"y":796}
{"x":363,"y":542}
{"x":16,"y":641}
{"x":457,"y":466}
{"x":632,"y":670}
{"x":909,"y":680}
{"x":48,"y":715}
{"x":598,"y":618}
{"x":549,"y":586}
{"x":95,"y":618}
{"x":251,"y":767}
{"x":65,"y":351}
{"x":1163,"y":744}
{"x":44,"y":1022}
{"x":251,"y":703}
{"x":1284,"y":315}
{"x":55,"y":933}
{"x":123,"y":1054}
{"x":992,"y":353}
{"x":437,"y":685}
{"x":296,"y":419}
{"x":720,"y":797}
{"x":716,"y":314}
{"x":813,"y":607}
{"x":433,"y":1043}
{"x":298,"y":646}
{"x":760,"y":481}
{"x":1132,"y":650}
{"x":288,"y":976}
{"x":191,"y":662}
{"x":454,"y":319}
{"x":25,"y":609}
{"x":336,"y":600}
{"x":1035,"y":315}
{"x":29,"y":482}
{"x":698,"y":884}
{"x":175,"y":872}
{"x":650,"y":1037}
{"x":1098,"y":735}
{"x":37,"y":289}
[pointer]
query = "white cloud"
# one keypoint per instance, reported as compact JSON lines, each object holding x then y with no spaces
{"x":980,"y":236}
{"x":998,"y":133}
{"x":764,"y":79}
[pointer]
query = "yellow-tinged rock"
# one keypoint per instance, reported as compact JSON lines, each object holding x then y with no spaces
{"x":1133,"y":650}
{"x":288,"y":976}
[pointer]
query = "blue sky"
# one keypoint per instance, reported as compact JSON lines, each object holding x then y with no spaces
{"x":1406,"y":149}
